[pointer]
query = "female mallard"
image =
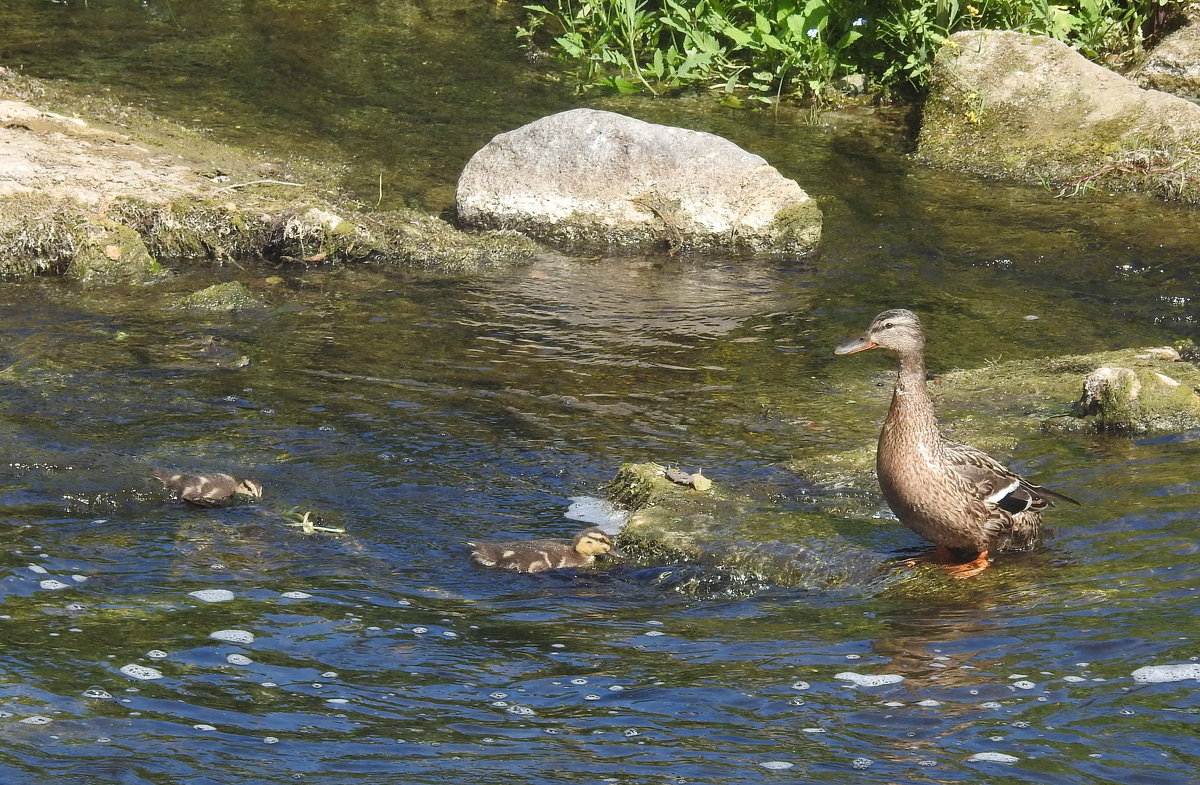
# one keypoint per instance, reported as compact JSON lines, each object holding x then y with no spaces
{"x":957,"y":497}
{"x":207,"y":490}
{"x":539,"y":555}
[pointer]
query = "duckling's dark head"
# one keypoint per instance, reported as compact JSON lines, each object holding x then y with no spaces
{"x":897,"y":330}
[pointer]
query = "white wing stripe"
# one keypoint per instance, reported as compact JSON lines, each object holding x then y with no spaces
{"x":1006,"y":490}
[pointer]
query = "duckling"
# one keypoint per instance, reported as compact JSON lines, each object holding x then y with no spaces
{"x":539,"y":555}
{"x":207,"y":490}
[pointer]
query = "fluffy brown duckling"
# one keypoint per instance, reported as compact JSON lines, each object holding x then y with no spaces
{"x":959,"y":498}
{"x":207,"y":489}
{"x":539,"y":555}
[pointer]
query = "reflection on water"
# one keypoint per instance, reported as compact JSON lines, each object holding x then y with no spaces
{"x":151,"y":640}
{"x":147,"y":641}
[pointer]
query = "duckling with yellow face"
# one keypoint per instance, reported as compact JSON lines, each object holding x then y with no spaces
{"x":207,"y":489}
{"x":540,"y":555}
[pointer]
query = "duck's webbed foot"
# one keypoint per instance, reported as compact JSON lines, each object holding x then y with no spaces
{"x":952,"y":562}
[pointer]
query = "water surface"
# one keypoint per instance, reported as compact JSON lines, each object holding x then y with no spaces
{"x":420,"y":412}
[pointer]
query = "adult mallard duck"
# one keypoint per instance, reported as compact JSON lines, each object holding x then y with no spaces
{"x":539,"y":555}
{"x":959,"y":498}
{"x":207,"y":490}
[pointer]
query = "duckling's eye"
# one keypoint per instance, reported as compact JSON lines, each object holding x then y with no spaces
{"x":888,"y":325}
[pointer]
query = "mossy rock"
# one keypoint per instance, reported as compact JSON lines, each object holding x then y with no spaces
{"x":743,"y":539}
{"x":995,"y":406}
{"x":221,"y":298}
{"x":111,"y":253}
{"x":1030,"y":108}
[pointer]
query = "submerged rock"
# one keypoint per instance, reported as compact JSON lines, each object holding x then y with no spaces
{"x":221,"y":298}
{"x":739,"y":538}
{"x":595,"y":178}
{"x":1030,"y":108}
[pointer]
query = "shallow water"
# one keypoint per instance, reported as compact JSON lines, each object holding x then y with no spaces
{"x":417,"y":413}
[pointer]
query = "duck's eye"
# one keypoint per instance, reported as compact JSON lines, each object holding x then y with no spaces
{"x":888,"y":325}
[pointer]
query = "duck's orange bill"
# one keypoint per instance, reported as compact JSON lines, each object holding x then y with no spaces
{"x":857,"y":345}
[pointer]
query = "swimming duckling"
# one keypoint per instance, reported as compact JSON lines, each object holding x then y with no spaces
{"x":539,"y":555}
{"x":207,"y":490}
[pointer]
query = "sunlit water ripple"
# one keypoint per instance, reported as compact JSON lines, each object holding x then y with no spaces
{"x":148,"y":642}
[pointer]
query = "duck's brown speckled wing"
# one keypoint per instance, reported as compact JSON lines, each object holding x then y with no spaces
{"x":997,"y":484}
{"x":1013,"y":505}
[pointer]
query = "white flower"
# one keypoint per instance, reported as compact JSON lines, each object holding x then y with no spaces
{"x":813,"y":32}
{"x":859,"y":22}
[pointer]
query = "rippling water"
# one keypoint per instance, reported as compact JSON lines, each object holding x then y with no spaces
{"x":417,"y":413}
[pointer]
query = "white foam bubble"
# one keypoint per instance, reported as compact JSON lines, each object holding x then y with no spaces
{"x":96,"y":692}
{"x":869,"y":679}
{"x":993,"y":757}
{"x":212,"y":595}
{"x":1157,"y":674}
{"x":141,"y":672}
{"x":296,"y":595}
{"x":204,"y":726}
{"x":156,"y":654}
{"x":37,"y":719}
{"x":776,"y":765}
{"x":39,"y":569}
{"x":1024,"y":685}
{"x":238,"y":659}
{"x":233,"y":636}
{"x":598,"y":512}
{"x":52,"y":584}
{"x":861,"y":763}
{"x":801,"y":685}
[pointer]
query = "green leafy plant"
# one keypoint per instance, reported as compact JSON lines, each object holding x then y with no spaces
{"x":768,"y":49}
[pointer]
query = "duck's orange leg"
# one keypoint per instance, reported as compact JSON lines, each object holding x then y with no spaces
{"x":948,"y":561}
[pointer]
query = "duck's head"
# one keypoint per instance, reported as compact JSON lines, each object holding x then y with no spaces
{"x":896,"y":330}
{"x":248,"y":487}
{"x":593,"y":542}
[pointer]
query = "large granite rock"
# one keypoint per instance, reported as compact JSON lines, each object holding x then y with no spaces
{"x":1174,"y":65}
{"x":1030,"y":108}
{"x":593,"y":178}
